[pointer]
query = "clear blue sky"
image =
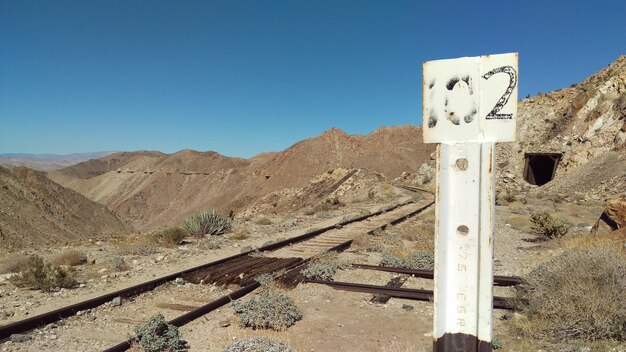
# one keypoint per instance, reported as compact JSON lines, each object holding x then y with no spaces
{"x":243,"y":77}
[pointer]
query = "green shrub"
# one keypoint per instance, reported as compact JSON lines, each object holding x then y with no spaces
{"x":157,"y":335}
{"x":257,"y":344}
{"x":579,"y":294}
{"x":392,"y":261}
{"x":324,"y":267}
{"x":421,"y":260}
{"x":271,"y":309}
{"x":548,"y":226}
{"x":169,"y":237}
{"x":413,"y":260}
{"x":496,"y":344}
{"x":39,"y":275}
{"x":210,"y":222}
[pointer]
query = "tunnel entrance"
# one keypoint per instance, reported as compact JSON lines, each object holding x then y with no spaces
{"x":540,"y":168}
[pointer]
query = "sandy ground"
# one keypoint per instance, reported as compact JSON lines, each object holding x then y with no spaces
{"x":332,"y":320}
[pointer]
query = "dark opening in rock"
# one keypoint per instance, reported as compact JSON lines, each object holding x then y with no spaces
{"x":540,"y":168}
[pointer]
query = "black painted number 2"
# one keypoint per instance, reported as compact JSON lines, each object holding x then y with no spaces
{"x":493,"y":114}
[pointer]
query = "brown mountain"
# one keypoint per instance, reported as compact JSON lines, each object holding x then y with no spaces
{"x":35,"y":211}
{"x":153,"y":190}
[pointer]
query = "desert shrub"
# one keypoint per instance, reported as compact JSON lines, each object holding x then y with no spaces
{"x":210,"y":222}
{"x":157,"y":335}
{"x":392,"y":239}
{"x":240,"y":234}
{"x":263,"y":221}
{"x":521,"y":223}
{"x":323,"y":207}
{"x":367,"y":243}
{"x":257,"y":344}
{"x":211,"y":243}
{"x":393,"y":261}
{"x":246,"y":249}
{"x":414,"y":260}
{"x":421,"y":260}
{"x":37,"y":274}
{"x":169,"y":237}
{"x":496,"y":343}
{"x":548,"y":226}
{"x":324,"y":266}
{"x":118,"y":264}
{"x":12,"y":263}
{"x":271,"y":309}
{"x":70,"y":258}
{"x":505,"y":198}
{"x":579,"y":294}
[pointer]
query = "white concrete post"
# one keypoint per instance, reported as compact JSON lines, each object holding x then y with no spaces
{"x":466,"y":111}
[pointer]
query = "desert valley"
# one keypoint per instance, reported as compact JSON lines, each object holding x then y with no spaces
{"x":117,"y":220}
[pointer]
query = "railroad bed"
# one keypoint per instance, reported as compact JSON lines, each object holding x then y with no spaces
{"x":215,"y":273}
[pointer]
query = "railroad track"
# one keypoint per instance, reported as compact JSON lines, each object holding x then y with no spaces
{"x":240,"y":269}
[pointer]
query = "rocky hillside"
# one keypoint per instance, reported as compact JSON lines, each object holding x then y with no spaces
{"x":586,"y":124}
{"x":35,"y":211}
{"x":154,"y":190}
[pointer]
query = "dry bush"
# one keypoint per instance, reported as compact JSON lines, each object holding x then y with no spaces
{"x":70,"y":258}
{"x":271,"y":309}
{"x":168,"y":237}
{"x":367,"y":243}
{"x":420,"y":230}
{"x":324,"y":266}
{"x":613,"y":241}
{"x":546,"y":225}
{"x":263,"y":221}
{"x":39,"y":275}
{"x":521,"y":223}
{"x":257,"y":344}
{"x":12,"y":263}
{"x":211,"y":243}
{"x":517,"y":207}
{"x":117,"y":264}
{"x":580,"y":294}
{"x":240,"y":234}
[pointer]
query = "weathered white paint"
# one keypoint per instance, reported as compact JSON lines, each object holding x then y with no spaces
{"x":459,"y":100}
{"x":458,"y":97}
{"x":463,"y":260}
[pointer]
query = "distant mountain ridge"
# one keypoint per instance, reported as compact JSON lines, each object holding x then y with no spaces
{"x":47,"y":162}
{"x":153,"y":189}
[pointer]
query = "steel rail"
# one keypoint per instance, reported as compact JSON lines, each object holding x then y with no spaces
{"x":224,"y":300}
{"x":70,"y":310}
{"x":429,"y":274}
{"x":407,"y":293}
{"x":220,"y":302}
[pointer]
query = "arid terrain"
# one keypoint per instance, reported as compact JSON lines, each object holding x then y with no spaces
{"x":105,"y":221}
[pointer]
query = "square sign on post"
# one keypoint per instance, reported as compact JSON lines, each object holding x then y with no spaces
{"x":470,"y":99}
{"x":469,"y":105}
